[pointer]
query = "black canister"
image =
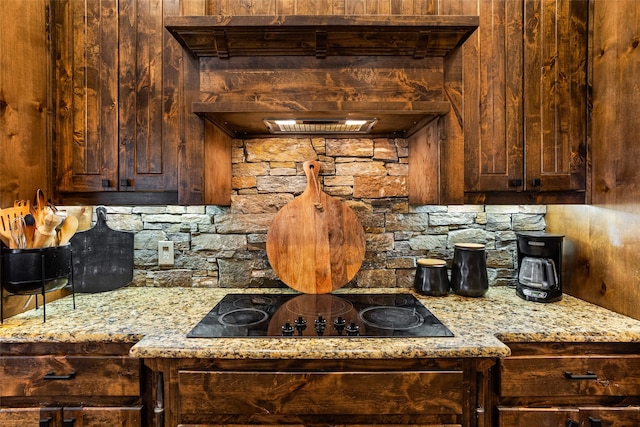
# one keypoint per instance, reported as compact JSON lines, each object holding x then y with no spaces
{"x":431,"y":277}
{"x":469,"y":270}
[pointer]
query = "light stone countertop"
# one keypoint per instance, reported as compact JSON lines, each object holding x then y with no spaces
{"x":158,"y":319}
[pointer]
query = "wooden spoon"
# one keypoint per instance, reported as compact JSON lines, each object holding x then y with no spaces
{"x":67,"y":230}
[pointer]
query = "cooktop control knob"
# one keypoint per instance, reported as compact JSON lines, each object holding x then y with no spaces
{"x":301,"y":324}
{"x":339,"y":325}
{"x":353,"y":330}
{"x":320,"y":324}
{"x":287,"y":330}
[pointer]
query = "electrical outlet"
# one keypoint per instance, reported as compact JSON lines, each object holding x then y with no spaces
{"x":165,"y":252}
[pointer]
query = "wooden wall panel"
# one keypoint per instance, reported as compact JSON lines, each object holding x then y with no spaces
{"x":424,"y":165}
{"x":322,"y":7}
{"x":602,"y":241}
{"x":25,"y":143}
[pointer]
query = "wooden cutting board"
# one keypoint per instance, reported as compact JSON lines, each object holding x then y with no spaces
{"x":315,"y":243}
{"x":102,"y":257}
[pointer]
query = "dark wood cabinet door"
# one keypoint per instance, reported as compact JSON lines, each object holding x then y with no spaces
{"x":526,"y":85}
{"x":555,"y":95}
{"x":493,"y":93}
{"x":116,"y":97}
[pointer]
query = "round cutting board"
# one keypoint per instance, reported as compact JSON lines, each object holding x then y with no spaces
{"x":315,"y":243}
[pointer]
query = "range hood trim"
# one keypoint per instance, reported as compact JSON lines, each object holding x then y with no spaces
{"x":321,"y":35}
{"x":395,"y":120}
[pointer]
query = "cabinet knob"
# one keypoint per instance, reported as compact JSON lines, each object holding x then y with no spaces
{"x":68,"y":422}
{"x":126,"y":183}
{"x":106,"y":183}
{"x":535,"y":182}
{"x":595,"y":422}
{"x":45,"y":422}
{"x":515,"y":183}
{"x":571,"y":423}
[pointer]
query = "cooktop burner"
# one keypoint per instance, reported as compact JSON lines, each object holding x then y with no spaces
{"x":324,"y":315}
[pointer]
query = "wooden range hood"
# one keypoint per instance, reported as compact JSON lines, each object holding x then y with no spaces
{"x":321,"y":69}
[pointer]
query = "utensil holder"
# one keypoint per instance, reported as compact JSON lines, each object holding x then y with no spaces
{"x":36,"y":271}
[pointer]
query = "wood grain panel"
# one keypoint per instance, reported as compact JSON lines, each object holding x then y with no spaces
{"x":519,"y":416}
{"x":424,"y":166}
{"x":493,"y":95}
{"x":24,"y":105}
{"x":315,"y":392}
{"x":604,"y":239}
{"x":92,"y":376}
{"x":532,"y":376}
{"x":104,"y":417}
{"x":217,"y":160}
{"x":555,"y":107}
{"x":21,"y":417}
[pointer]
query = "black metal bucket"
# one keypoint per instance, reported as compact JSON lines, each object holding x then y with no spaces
{"x":32,"y":271}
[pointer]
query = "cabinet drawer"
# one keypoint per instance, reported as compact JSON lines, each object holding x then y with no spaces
{"x":607,"y":375}
{"x":310,"y":393}
{"x":69,"y":376}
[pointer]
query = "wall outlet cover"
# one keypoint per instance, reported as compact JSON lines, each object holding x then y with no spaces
{"x":165,"y":252}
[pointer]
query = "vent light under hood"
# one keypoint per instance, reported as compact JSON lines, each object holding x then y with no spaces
{"x":319,"y":126}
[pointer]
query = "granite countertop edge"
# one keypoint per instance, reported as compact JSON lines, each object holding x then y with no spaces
{"x":156,"y":320}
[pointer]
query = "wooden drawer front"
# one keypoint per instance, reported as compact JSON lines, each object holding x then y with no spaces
{"x":69,"y":376}
{"x":353,"y":393}
{"x":104,"y":417}
{"x":530,"y":417}
{"x":570,"y":376}
{"x":26,"y":417}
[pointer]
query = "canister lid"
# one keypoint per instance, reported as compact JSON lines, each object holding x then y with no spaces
{"x":471,"y":246}
{"x":431,"y":262}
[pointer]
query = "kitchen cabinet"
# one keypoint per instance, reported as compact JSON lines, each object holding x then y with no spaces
{"x":116,"y":75}
{"x":527,"y":103}
{"x":348,"y":392}
{"x":71,"y":417}
{"x":581,"y":384}
{"x":88,"y":384}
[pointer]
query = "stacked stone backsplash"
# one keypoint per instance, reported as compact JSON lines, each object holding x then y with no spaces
{"x":219,"y":246}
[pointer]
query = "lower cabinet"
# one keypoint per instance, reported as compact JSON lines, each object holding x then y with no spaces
{"x":70,"y":385}
{"x":436,"y":392}
{"x":569,"y":417}
{"x":71,"y":417}
{"x":569,"y":385}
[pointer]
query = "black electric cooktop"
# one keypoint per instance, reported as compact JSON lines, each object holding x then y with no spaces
{"x":324,"y":315}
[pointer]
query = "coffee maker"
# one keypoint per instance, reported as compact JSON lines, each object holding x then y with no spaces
{"x":539,"y":266}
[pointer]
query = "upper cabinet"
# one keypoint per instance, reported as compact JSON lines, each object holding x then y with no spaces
{"x":529,"y":97}
{"x":117,"y":86}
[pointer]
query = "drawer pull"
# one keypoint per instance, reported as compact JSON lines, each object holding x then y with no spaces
{"x":45,"y":422}
{"x":571,"y":423}
{"x":68,"y":422}
{"x":595,"y":422}
{"x":53,"y":376}
{"x":588,"y":376}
